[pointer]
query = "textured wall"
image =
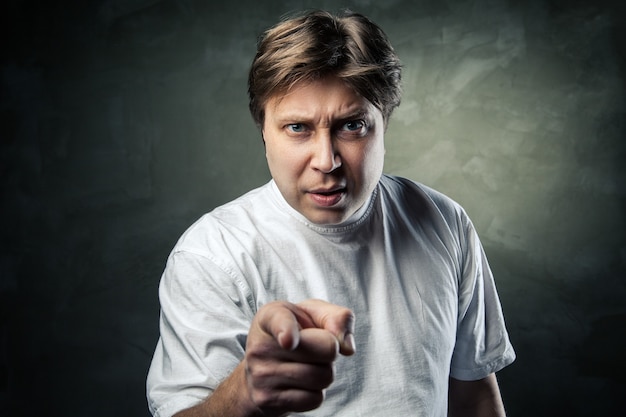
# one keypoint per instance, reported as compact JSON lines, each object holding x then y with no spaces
{"x":122,"y":121}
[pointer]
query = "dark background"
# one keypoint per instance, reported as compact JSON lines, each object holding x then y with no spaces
{"x":122,"y":121}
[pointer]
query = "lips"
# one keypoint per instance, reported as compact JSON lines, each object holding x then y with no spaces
{"x":327,"y":197}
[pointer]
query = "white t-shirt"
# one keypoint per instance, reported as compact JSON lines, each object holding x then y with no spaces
{"x":409,"y":264}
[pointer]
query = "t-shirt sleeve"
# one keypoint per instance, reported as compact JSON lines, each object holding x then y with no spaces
{"x":482,"y":344}
{"x":205,"y":317}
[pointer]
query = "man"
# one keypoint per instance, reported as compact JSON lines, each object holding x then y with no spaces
{"x":333,"y":290}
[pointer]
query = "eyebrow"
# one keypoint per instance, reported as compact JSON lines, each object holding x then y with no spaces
{"x":296,"y":116}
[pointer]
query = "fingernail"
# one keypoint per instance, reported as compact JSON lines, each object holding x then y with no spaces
{"x":349,"y":342}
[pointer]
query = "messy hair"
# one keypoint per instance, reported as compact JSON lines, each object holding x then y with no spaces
{"x":317,"y":45}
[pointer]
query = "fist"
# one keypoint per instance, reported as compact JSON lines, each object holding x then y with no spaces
{"x":290,"y":353}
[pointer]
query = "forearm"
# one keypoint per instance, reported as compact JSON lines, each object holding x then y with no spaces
{"x":475,"y":398}
{"x":230,"y":398}
{"x":483,"y":408}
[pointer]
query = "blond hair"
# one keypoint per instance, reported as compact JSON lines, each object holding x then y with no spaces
{"x":319,"y":44}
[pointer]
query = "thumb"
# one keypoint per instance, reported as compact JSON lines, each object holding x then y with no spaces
{"x":282,"y":321}
{"x":336,"y":319}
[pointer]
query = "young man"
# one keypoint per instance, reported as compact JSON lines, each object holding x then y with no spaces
{"x":334,"y":289}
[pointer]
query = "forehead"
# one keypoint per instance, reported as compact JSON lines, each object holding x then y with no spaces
{"x":328,"y":96}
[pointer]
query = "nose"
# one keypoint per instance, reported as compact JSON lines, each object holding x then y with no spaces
{"x":325,"y":157}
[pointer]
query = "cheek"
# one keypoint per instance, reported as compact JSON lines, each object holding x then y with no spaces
{"x":373,"y":157}
{"x":282,"y":163}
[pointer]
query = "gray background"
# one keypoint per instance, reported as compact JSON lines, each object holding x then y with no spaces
{"x":122,"y":121}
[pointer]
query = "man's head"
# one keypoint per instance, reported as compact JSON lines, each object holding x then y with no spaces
{"x":318,"y":45}
{"x":322,"y":89}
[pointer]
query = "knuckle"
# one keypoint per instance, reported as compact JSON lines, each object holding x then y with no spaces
{"x":266,"y":310}
{"x":258,"y":373}
{"x":347,"y":315}
{"x":326,"y":377}
{"x":314,"y":400}
{"x":331,"y":350}
{"x":302,"y":400}
{"x":264,"y":398}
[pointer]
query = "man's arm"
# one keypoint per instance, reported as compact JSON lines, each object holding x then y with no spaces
{"x":288,"y":362}
{"x":229,"y":399}
{"x":479,"y":398}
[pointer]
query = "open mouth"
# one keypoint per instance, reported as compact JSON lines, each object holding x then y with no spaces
{"x":332,"y":192}
{"x":328,"y":198}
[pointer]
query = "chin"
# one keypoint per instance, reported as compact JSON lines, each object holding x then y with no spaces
{"x":327,"y":219}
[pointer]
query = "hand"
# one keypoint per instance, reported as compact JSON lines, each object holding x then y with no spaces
{"x":290,"y":354}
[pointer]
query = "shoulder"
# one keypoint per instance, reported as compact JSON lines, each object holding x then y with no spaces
{"x":407,"y":194}
{"x":225,"y":222}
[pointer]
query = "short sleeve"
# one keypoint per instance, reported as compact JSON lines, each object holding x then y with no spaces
{"x":205,"y":317}
{"x":482,"y":342}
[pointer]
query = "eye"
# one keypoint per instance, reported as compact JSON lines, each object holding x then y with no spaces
{"x":296,"y":127}
{"x":353,"y":129}
{"x":354,"y":125}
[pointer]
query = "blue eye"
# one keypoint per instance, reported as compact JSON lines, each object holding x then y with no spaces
{"x":354,"y":125}
{"x":296,"y":127}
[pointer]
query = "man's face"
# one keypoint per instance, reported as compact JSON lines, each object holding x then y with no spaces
{"x":325,"y":148}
